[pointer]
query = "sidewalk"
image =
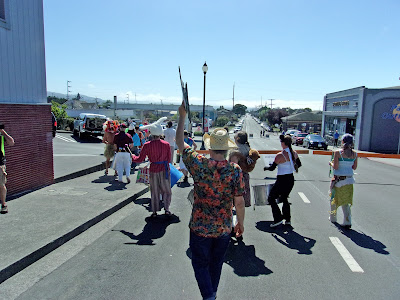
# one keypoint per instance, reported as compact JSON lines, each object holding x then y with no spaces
{"x":41,"y":221}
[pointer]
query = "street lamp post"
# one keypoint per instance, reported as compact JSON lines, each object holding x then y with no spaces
{"x":205,"y":69}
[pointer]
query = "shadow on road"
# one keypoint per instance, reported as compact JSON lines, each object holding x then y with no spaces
{"x":288,"y":237}
{"x":243,"y":260}
{"x":363,"y":240}
{"x":155,"y":228}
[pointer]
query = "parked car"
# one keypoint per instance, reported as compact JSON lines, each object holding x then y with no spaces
{"x":89,"y":124}
{"x":291,"y":132}
{"x":298,"y":137}
{"x":54,"y":123}
{"x":315,"y":141}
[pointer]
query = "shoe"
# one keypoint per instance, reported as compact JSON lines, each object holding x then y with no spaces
{"x":4,"y":209}
{"x":128,"y":180}
{"x":185,"y":180}
{"x":167,"y":213}
{"x":153,"y":215}
{"x":106,"y":172}
{"x":346,"y":226}
{"x":276,"y":224}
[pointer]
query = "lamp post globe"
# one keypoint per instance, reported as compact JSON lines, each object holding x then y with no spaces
{"x":205,"y":69}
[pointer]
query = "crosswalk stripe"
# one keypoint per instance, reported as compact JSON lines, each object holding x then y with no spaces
{"x":302,"y":196}
{"x":66,"y":139}
{"x":348,"y":258}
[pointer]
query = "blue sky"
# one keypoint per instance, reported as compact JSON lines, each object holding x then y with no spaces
{"x":294,"y":52}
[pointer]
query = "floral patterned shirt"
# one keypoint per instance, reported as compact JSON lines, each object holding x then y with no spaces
{"x":216,"y":183}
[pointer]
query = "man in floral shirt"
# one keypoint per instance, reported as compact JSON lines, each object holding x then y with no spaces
{"x":218,"y":185}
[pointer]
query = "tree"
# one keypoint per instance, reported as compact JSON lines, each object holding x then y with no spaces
{"x":274,"y":116}
{"x":239,"y":109}
{"x":78,"y":97}
{"x":59,"y":110}
{"x":106,"y":104}
{"x":221,"y":121}
{"x":308,"y":109}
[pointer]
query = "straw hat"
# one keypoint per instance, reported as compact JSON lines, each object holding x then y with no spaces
{"x":218,"y":140}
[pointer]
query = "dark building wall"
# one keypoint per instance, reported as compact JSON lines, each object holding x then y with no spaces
{"x":30,"y":161}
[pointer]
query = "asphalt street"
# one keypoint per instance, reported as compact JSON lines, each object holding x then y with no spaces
{"x":128,"y":256}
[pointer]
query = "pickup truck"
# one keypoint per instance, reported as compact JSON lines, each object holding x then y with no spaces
{"x":89,"y":124}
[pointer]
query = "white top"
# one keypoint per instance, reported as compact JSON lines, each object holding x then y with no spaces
{"x":286,"y":167}
{"x":170,"y":134}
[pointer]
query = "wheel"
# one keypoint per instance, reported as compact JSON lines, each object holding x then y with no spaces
{"x":81,"y":135}
{"x":309,"y":146}
{"x":75,"y":133}
{"x":326,"y":148}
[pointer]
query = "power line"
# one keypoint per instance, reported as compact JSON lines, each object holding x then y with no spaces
{"x":271,"y":102}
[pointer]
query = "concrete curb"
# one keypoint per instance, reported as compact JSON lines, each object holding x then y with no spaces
{"x":80,"y":173}
{"x":26,"y":261}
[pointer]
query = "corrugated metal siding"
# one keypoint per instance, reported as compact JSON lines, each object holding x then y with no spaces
{"x":22,"y":54}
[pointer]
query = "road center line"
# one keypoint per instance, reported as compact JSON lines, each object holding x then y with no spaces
{"x":302,"y":196}
{"x":350,"y":261}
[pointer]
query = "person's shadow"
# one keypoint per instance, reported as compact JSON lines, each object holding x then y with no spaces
{"x":155,"y":228}
{"x":288,"y":237}
{"x":363,"y":240}
{"x":114,"y":184}
{"x":243,"y":260}
{"x":145,"y":202}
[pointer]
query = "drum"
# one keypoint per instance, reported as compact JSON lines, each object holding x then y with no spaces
{"x":261,"y":193}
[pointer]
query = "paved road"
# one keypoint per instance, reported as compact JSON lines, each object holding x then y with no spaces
{"x":128,"y":256}
{"x":72,"y":154}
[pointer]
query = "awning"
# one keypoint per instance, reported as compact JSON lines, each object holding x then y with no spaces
{"x":340,"y":113}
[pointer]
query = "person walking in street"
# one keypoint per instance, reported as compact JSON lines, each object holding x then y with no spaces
{"x":136,"y":143}
{"x":246,"y":161}
{"x":336,"y":137}
{"x":110,"y":128}
{"x":169,"y":134}
{"x":188,"y":140}
{"x":158,"y":152}
{"x":341,"y":190}
{"x":122,"y":141}
{"x":218,"y":184}
{"x":288,"y":162}
{"x":5,"y":138}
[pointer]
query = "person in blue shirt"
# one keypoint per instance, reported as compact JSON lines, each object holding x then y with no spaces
{"x":336,"y":137}
{"x":188,"y":140}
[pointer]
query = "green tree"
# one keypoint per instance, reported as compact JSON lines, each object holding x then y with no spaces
{"x":221,"y":121}
{"x":59,"y":110}
{"x":106,"y":104}
{"x":308,"y":109}
{"x":239,"y":109}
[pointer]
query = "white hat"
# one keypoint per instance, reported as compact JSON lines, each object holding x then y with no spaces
{"x":218,"y":140}
{"x":155,"y":128}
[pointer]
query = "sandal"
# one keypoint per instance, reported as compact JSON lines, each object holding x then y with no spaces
{"x":153,"y":215}
{"x":167,"y":212}
{"x":4,"y":209}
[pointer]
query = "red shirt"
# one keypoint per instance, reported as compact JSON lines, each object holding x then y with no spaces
{"x":156,"y":151}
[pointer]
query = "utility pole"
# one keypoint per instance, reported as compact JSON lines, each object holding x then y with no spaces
{"x":68,"y":91}
{"x":271,"y":102}
{"x":135,"y":99}
{"x":128,"y":97}
{"x":233,"y":98}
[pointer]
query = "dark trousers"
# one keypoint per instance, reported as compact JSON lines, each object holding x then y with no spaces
{"x":281,"y":189}
{"x":335,"y":143}
{"x":207,"y":258}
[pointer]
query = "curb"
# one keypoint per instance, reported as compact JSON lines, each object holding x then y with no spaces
{"x":80,"y":173}
{"x":26,"y":261}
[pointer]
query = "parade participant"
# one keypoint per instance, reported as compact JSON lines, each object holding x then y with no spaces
{"x":341,"y":191}
{"x":218,"y":184}
{"x":287,"y":161}
{"x":169,"y":135}
{"x":122,"y":140}
{"x":246,"y":158}
{"x":141,"y":136}
{"x":4,"y":138}
{"x":159,"y":154}
{"x":110,"y":128}
{"x":188,"y":140}
{"x":336,"y":137}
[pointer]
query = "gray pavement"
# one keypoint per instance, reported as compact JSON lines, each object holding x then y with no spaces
{"x":41,"y":221}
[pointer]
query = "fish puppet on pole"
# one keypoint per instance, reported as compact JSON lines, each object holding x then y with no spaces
{"x":185,"y":97}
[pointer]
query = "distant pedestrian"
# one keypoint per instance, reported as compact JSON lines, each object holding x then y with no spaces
{"x":158,"y":152}
{"x":336,"y":137}
{"x":110,"y":128}
{"x":341,"y":190}
{"x":169,"y":134}
{"x":288,"y":162}
{"x":188,"y":140}
{"x":5,"y":138}
{"x":141,"y":136}
{"x":218,"y":184}
{"x":123,"y":141}
{"x":136,"y":143}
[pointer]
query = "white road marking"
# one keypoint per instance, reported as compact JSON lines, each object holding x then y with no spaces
{"x":66,"y":139}
{"x":302,"y":196}
{"x":350,"y":261}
